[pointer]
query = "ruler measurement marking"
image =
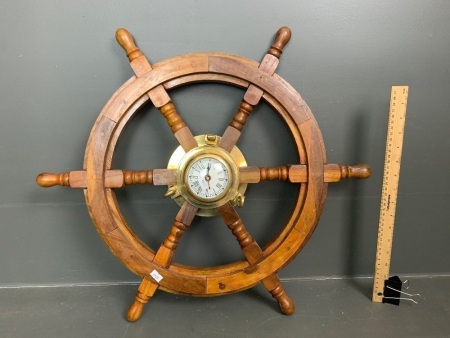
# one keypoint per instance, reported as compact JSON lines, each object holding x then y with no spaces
{"x":391,"y":172}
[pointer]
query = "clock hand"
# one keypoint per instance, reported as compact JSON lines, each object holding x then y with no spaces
{"x":207,"y":177}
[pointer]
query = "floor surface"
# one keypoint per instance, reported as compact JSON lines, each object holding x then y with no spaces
{"x":324,"y":308}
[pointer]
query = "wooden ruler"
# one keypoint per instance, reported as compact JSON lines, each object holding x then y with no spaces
{"x":391,"y":173}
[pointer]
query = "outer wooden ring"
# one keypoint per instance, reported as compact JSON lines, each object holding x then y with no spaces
{"x":112,"y":226}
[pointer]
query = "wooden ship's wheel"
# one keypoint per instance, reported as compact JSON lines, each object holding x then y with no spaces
{"x":207,"y":175}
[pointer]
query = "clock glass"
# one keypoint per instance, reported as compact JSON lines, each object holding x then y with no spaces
{"x":208,"y":178}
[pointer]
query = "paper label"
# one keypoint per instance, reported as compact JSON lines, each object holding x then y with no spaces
{"x":156,"y":276}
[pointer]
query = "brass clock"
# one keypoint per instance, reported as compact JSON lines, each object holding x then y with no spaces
{"x":208,"y":178}
{"x":207,"y":175}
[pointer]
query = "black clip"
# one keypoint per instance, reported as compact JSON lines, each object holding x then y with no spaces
{"x":393,"y":289}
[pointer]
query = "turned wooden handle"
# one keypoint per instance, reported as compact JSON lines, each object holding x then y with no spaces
{"x":134,"y":312}
{"x":47,"y":180}
{"x":126,"y":41}
{"x":286,"y":304}
{"x":336,"y":172}
{"x":281,"y":39}
{"x":356,"y":171}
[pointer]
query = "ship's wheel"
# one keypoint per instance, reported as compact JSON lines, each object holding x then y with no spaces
{"x":207,"y":175}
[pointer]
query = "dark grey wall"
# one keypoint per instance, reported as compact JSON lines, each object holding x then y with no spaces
{"x":60,"y":64}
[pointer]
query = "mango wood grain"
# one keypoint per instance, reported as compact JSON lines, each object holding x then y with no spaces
{"x":108,"y":219}
{"x":120,"y":123}
{"x":253,"y":94}
{"x":291,"y":239}
{"x":233,"y":67}
{"x":163,"y":258}
{"x":187,"y":269}
{"x":261,"y":264}
{"x":119,"y":178}
{"x":152,"y":82}
{"x":298,"y":173}
{"x":158,"y":95}
{"x":269,"y":63}
{"x":113,"y":178}
{"x":253,"y":255}
{"x":132,"y":246}
{"x":258,"y":174}
{"x":120,"y":114}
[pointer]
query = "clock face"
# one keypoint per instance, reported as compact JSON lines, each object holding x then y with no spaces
{"x":208,"y":178}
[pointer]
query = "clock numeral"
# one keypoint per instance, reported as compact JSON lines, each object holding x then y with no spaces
{"x":207,"y":178}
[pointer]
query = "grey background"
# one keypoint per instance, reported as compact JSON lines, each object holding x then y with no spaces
{"x":60,"y":64}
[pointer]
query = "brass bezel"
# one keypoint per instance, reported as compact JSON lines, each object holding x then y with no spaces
{"x":207,"y":147}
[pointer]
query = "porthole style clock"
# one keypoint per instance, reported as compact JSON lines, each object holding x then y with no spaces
{"x":207,"y":175}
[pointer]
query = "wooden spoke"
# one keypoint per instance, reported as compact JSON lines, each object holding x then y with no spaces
{"x":157,"y":95}
{"x":182,"y":221}
{"x":331,"y":172}
{"x":233,"y":131}
{"x":163,"y":258}
{"x":298,"y":173}
{"x":254,"y":254}
{"x":258,"y":174}
{"x":113,"y":178}
{"x":253,"y":94}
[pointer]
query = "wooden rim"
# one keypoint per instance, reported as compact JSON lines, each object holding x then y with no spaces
{"x":183,"y":70}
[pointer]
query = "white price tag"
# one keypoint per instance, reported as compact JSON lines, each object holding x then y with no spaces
{"x":156,"y":276}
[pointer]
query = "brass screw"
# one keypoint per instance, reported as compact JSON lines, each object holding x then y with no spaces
{"x":211,"y":140}
{"x":239,"y":200}
{"x":173,"y":192}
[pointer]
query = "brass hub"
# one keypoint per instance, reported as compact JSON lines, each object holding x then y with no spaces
{"x":225,"y":188}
